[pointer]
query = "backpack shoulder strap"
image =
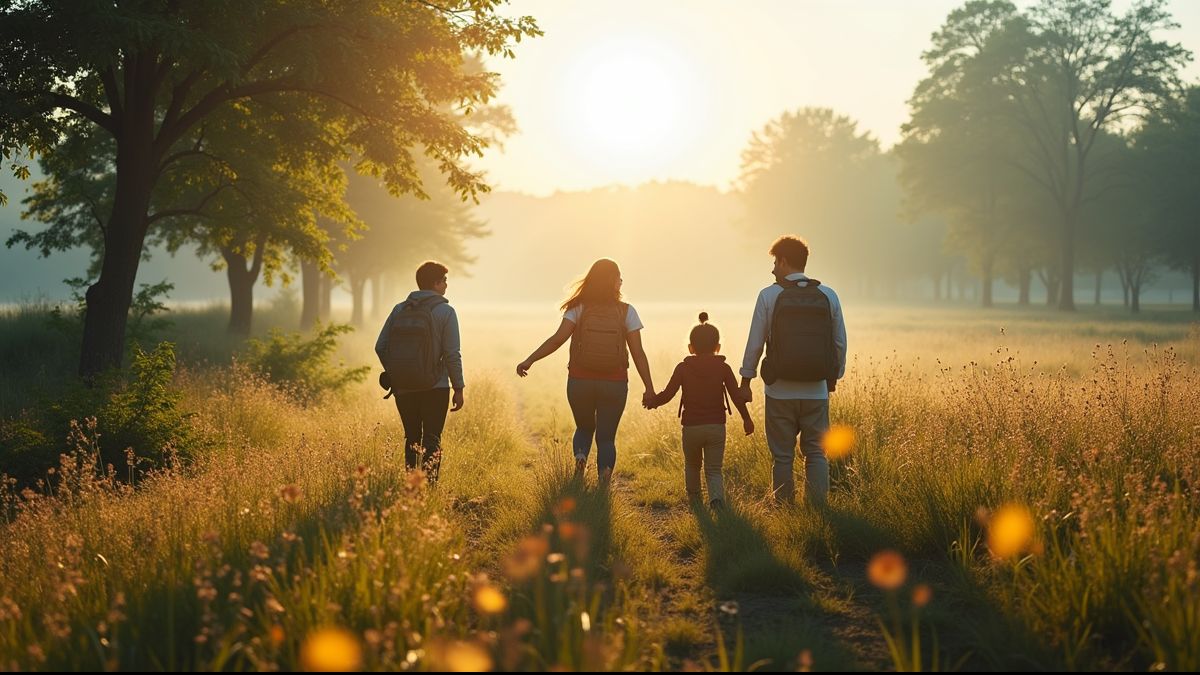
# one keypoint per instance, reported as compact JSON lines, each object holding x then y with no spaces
{"x":426,"y":303}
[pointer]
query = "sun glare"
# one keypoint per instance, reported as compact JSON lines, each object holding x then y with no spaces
{"x":629,"y":106}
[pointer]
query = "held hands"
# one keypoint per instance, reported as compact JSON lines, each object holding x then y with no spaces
{"x":748,"y":425}
{"x":523,"y":368}
{"x":746,"y":394}
{"x":456,"y":400}
{"x":648,"y":400}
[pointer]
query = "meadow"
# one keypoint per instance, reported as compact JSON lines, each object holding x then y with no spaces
{"x":1018,"y":490}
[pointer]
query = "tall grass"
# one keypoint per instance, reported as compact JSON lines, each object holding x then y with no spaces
{"x":296,"y":525}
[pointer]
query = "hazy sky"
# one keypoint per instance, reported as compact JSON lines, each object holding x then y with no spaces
{"x":624,"y":91}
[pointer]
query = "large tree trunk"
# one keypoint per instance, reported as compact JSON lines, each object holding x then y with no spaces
{"x":310,"y":283}
{"x":326,"y":304}
{"x":1066,"y":271}
{"x":241,"y":293}
{"x":108,"y":299}
{"x":1135,"y":297}
{"x":1053,"y":282}
{"x":358,"y":291}
{"x":241,"y":285}
{"x":1099,"y":281}
{"x":1024,"y":282}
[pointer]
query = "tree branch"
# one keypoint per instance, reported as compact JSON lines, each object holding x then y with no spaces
{"x":260,"y":245}
{"x":178,"y":96}
{"x":224,"y":93}
{"x":109,"y":77}
{"x":271,"y":44}
{"x":197,"y":210}
{"x":99,"y":117}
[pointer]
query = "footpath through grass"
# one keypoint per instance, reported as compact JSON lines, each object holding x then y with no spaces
{"x":994,"y":514}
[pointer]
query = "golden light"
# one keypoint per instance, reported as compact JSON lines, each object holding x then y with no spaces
{"x":922,"y":594}
{"x":839,"y":441}
{"x":463,"y":657}
{"x":526,"y":560}
{"x":629,"y":104}
{"x":489,"y":599}
{"x":1010,"y":531}
{"x":887,"y":570}
{"x":331,"y":650}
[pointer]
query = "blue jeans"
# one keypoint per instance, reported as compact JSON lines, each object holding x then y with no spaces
{"x":597,"y":406}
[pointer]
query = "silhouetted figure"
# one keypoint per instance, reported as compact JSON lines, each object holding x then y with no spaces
{"x":708,"y":385}
{"x":604,"y":332}
{"x":419,"y":348}
{"x":799,"y":321}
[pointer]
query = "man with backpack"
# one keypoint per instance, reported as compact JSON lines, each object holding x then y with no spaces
{"x":419,"y":348}
{"x":799,"y":321}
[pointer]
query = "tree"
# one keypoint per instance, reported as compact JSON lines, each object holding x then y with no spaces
{"x":1073,"y":71}
{"x":953,"y":147}
{"x":237,"y":192}
{"x":379,"y":76}
{"x":1126,"y":230}
{"x":814,"y":167}
{"x":400,"y":234}
{"x":1171,"y":168}
{"x":276,"y":192}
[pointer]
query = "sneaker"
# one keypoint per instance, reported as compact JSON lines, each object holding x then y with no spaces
{"x":716,"y":505}
{"x":580,"y":466}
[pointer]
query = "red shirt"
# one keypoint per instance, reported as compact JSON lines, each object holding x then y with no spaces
{"x":705,"y":379}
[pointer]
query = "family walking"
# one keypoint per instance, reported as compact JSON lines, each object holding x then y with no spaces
{"x":797,"y":321}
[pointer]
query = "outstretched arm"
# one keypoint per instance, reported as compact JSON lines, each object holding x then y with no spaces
{"x":739,"y":400}
{"x":547,"y":348}
{"x":664,"y":397}
{"x":634,"y":339}
{"x":755,"y":342}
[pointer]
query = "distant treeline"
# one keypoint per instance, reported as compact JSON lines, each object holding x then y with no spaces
{"x":1043,"y":144}
{"x":291,"y":141}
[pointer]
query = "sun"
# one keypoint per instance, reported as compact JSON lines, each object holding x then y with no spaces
{"x":629,"y":106}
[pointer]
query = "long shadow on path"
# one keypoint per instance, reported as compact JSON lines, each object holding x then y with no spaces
{"x":775,"y":608}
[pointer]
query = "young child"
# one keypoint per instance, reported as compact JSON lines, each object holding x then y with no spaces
{"x":708,"y":385}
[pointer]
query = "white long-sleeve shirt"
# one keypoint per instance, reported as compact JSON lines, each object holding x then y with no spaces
{"x":760,"y":329}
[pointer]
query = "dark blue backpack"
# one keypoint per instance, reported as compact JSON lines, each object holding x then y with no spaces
{"x":413,"y":358}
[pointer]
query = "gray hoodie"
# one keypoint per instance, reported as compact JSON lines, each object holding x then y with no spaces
{"x":445,"y":333}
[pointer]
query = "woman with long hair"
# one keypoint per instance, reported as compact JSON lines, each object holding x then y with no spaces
{"x":604,"y":333}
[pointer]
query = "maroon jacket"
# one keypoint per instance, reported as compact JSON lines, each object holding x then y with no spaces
{"x":705,"y":379}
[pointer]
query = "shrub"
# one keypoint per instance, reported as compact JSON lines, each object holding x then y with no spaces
{"x":302,"y":366}
{"x":134,"y":409}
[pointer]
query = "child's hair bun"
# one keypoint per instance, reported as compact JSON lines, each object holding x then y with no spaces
{"x":703,"y":317}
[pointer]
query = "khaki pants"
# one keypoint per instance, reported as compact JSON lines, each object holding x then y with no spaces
{"x":704,"y":444}
{"x":808,"y":419}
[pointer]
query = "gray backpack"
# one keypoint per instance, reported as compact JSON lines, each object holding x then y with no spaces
{"x":801,"y":345}
{"x":413,"y":360}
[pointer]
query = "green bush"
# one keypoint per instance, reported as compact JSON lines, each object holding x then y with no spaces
{"x":135,"y":409}
{"x":301,"y":366}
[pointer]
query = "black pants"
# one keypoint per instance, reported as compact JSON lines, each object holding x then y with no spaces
{"x":424,"y":416}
